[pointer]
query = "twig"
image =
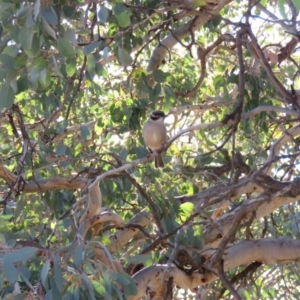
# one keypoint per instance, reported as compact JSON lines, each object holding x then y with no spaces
{"x":77,"y":89}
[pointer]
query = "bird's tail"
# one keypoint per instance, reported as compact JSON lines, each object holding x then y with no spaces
{"x":159,"y":163}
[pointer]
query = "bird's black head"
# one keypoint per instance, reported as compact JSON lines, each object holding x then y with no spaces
{"x":157,"y":114}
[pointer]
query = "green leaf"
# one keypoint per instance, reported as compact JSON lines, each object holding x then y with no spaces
{"x":107,"y":282}
{"x":160,"y":76}
{"x":78,"y":256}
{"x":37,"y":8}
{"x":281,"y":8}
{"x":122,"y":279}
{"x":190,"y":234}
{"x":22,"y":16}
{"x":3,"y":73}
{"x":25,"y":37}
{"x":11,"y":75}
{"x":21,"y":61}
{"x":139,"y":258}
{"x":70,"y":34}
{"x":44,"y":78}
{"x":49,"y":14}
{"x":169,"y":223}
{"x":2,"y":238}
{"x":124,"y":19}
{"x":61,"y":150}
{"x":91,"y":62}
{"x":99,"y":70}
{"x":48,"y":29}
{"x":34,"y":80}
{"x":169,"y":97}
{"x":25,"y":279}
{"x":140,"y":152}
{"x":71,"y":66}
{"x":91,"y":47}
{"x":22,"y":254}
{"x":87,"y":285}
{"x":12,"y":50}
{"x":44,"y":273}
{"x":7,"y":96}
{"x":119,"y":8}
{"x":297,"y":5}
{"x":9,"y":271}
{"x":124,"y":154}
{"x":61,"y":126}
{"x":55,"y":292}
{"x":122,"y":14}
{"x":39,"y":64}
{"x":85,"y":132}
{"x":186,"y":209}
{"x":58,"y":273}
{"x":56,"y":66}
{"x":99,"y":288}
{"x":35,"y":47}
{"x":65,"y":47}
{"x":155,"y":92}
{"x":124,"y":58}
{"x":103,"y":14}
{"x":198,"y":3}
{"x":7,"y":61}
{"x":131,"y":288}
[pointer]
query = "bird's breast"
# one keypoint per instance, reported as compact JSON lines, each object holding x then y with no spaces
{"x":154,"y":135}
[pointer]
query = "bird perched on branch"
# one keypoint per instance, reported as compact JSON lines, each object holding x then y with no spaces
{"x":155,"y":134}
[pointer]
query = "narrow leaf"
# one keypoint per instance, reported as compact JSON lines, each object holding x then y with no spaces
{"x":61,"y":150}
{"x":297,"y":5}
{"x":124,"y":19}
{"x":58,"y":273}
{"x":124,"y":58}
{"x":37,"y":8}
{"x":88,"y":285}
{"x":91,"y":62}
{"x":65,"y":47}
{"x":91,"y":47}
{"x":78,"y":256}
{"x":85,"y":132}
{"x":9,"y":271}
{"x":71,"y":35}
{"x":49,"y":14}
{"x":22,"y":254}
{"x":281,"y":8}
{"x":103,"y":14}
{"x":7,"y":96}
{"x":71,"y":66}
{"x":48,"y":29}
{"x":44,"y":273}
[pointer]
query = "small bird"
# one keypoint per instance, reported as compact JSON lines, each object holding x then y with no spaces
{"x":155,"y":134}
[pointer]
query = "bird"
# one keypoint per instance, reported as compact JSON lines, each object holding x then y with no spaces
{"x":155,"y":134}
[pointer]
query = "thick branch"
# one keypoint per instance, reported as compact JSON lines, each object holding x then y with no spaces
{"x":182,"y":32}
{"x":267,"y":251}
{"x":213,"y":234}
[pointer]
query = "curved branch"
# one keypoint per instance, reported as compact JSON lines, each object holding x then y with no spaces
{"x":105,"y":216}
{"x":81,"y":183}
{"x":55,"y":184}
{"x":267,"y":251}
{"x":122,"y":236}
{"x":287,"y":96}
{"x":277,"y":145}
{"x":155,"y":277}
{"x":182,"y":32}
{"x":287,"y":192}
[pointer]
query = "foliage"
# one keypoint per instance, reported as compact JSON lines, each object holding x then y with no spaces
{"x":78,"y":80}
